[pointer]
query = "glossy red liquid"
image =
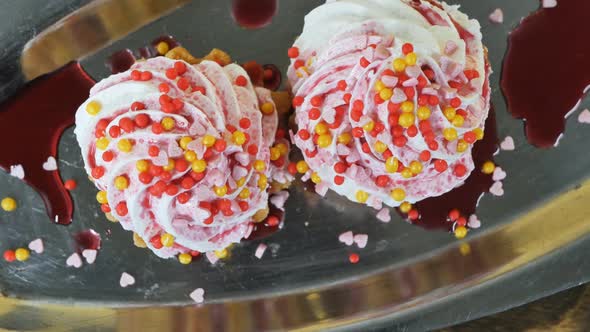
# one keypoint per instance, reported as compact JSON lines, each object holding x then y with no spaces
{"x":263,"y":229}
{"x":87,"y":239}
{"x":434,"y":211}
{"x":547,"y":68}
{"x":122,"y":60}
{"x":31,"y":123}
{"x":254,"y":14}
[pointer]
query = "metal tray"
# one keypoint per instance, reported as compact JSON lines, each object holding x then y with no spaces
{"x":532,"y":243}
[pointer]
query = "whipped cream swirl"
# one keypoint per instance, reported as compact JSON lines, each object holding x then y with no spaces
{"x":390,"y":98}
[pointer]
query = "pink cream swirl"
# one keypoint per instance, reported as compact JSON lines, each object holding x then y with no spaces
{"x":390,"y":98}
{"x":181,"y":153}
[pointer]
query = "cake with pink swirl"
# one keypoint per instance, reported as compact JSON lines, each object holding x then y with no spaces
{"x":183,"y":155}
{"x":390,"y":98}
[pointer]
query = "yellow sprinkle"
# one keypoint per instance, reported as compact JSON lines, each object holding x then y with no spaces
{"x":170,"y":165}
{"x":199,"y":165}
{"x":221,"y":254}
{"x":8,"y":204}
{"x":458,"y":121}
{"x":465,"y":249}
{"x":416,"y":167}
{"x":209,"y":140}
{"x":184,"y":142}
{"x":241,"y":181}
{"x":386,"y":94}
{"x":315,"y":178}
{"x":125,"y":145}
{"x":190,"y":156}
{"x":102,"y":143}
{"x":488,"y":167}
{"x":479,"y":133}
{"x":185,"y":258}
{"x":344,"y":138}
{"x":121,"y":182}
{"x":220,"y":191}
{"x":423,"y":113}
{"x":262,"y":181}
{"x":462,"y":146}
{"x":362,"y":196}
{"x":369,"y":126}
{"x":22,"y":254}
{"x":407,"y":106}
{"x":162,"y":48}
{"x":411,"y":59}
{"x":406,"y":120}
{"x":283,"y":148}
{"x":405,"y":207}
{"x":324,"y":140}
{"x":391,"y":165}
{"x":259,"y":165}
{"x":321,"y":128}
{"x":399,"y":64}
{"x":167,"y":240}
{"x":101,"y":197}
{"x":460,"y":232}
{"x":398,"y":194}
{"x":379,"y":86}
{"x":168,"y":123}
{"x":407,"y":173}
{"x":93,"y":107}
{"x":238,"y":137}
{"x":450,"y":134}
{"x":245,"y":193}
{"x":450,"y":113}
{"x":275,"y":153}
{"x":267,"y":108}
{"x":380,"y":147}
{"x":302,"y":166}
{"x":142,"y":165}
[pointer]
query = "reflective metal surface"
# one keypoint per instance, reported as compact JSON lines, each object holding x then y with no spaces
{"x":407,"y":276}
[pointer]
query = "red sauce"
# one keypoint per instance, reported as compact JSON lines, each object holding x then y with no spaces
{"x":87,"y":239}
{"x":254,"y":14}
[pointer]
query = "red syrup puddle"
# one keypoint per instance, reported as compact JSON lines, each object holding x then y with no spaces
{"x":31,"y":123}
{"x":543,"y":81}
{"x":87,"y":239}
{"x":122,"y":60}
{"x":434,"y":211}
{"x":263,"y":229}
{"x":253,"y":14}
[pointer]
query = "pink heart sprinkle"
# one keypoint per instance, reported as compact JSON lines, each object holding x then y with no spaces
{"x":346,"y":238}
{"x":17,"y":171}
{"x":507,"y":144}
{"x":499,"y":174}
{"x":260,"y":250}
{"x":50,"y":164}
{"x":74,"y":260}
{"x":384,"y":215}
{"x":90,"y":255}
{"x":497,"y":16}
{"x":549,"y":3}
{"x":37,"y":246}
{"x":361,"y":240}
{"x":211,"y":257}
{"x":198,"y":295}
{"x":497,"y":189}
{"x":126,"y":280}
{"x":584,"y":116}
{"x":473,"y":221}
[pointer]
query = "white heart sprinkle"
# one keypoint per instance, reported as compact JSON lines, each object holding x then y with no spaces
{"x":37,"y":246}
{"x":499,"y":174}
{"x":497,"y":189}
{"x":473,"y":221}
{"x":507,"y":144}
{"x":346,"y":238}
{"x":361,"y":240}
{"x":549,"y":3}
{"x":17,"y":171}
{"x":260,"y":250}
{"x":74,"y":260}
{"x":584,"y":116}
{"x":50,"y":164}
{"x":90,"y":255}
{"x":126,"y":280}
{"x":211,"y":257}
{"x":497,"y":16}
{"x":198,"y":295}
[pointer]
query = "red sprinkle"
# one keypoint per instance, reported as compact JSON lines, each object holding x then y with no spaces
{"x":183,"y":197}
{"x":292,"y":168}
{"x":153,"y":151}
{"x":241,"y":80}
{"x":433,"y":100}
{"x":142,"y":121}
{"x":220,"y":145}
{"x":440,"y":165}
{"x":245,"y":123}
{"x":298,"y":64}
{"x":413,"y":214}
{"x":145,"y":177}
{"x":70,"y":184}
{"x":461,"y":221}
{"x":122,"y":209}
{"x":412,"y":131}
{"x":252,"y":149}
{"x":97,"y":172}
{"x":137,"y":106}
{"x":156,"y":242}
{"x":353,"y":258}
{"x":244,"y":206}
{"x":136,"y":75}
{"x":347,"y":97}
{"x":338,"y":180}
{"x":9,"y":255}
{"x":342,"y":85}
{"x":157,"y":128}
{"x":115,"y":131}
{"x":364,"y":62}
{"x":187,"y":182}
{"x":108,"y":156}
{"x":407,"y":48}
{"x":183,"y":83}
{"x":358,"y":132}
{"x":425,"y":155}
{"x":171,"y":73}
{"x":314,"y":114}
{"x":297,"y":101}
{"x":164,"y":87}
{"x":460,"y":170}
{"x":340,"y":167}
{"x":316,"y":101}
{"x":470,"y":137}
{"x":455,"y":102}
{"x":127,"y":124}
{"x":180,"y":67}
{"x":293,"y":52}
{"x":303,"y":134}
{"x":272,"y":220}
{"x":105,"y":208}
{"x":382,"y":181}
{"x":146,"y":76}
{"x":454,"y":214}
